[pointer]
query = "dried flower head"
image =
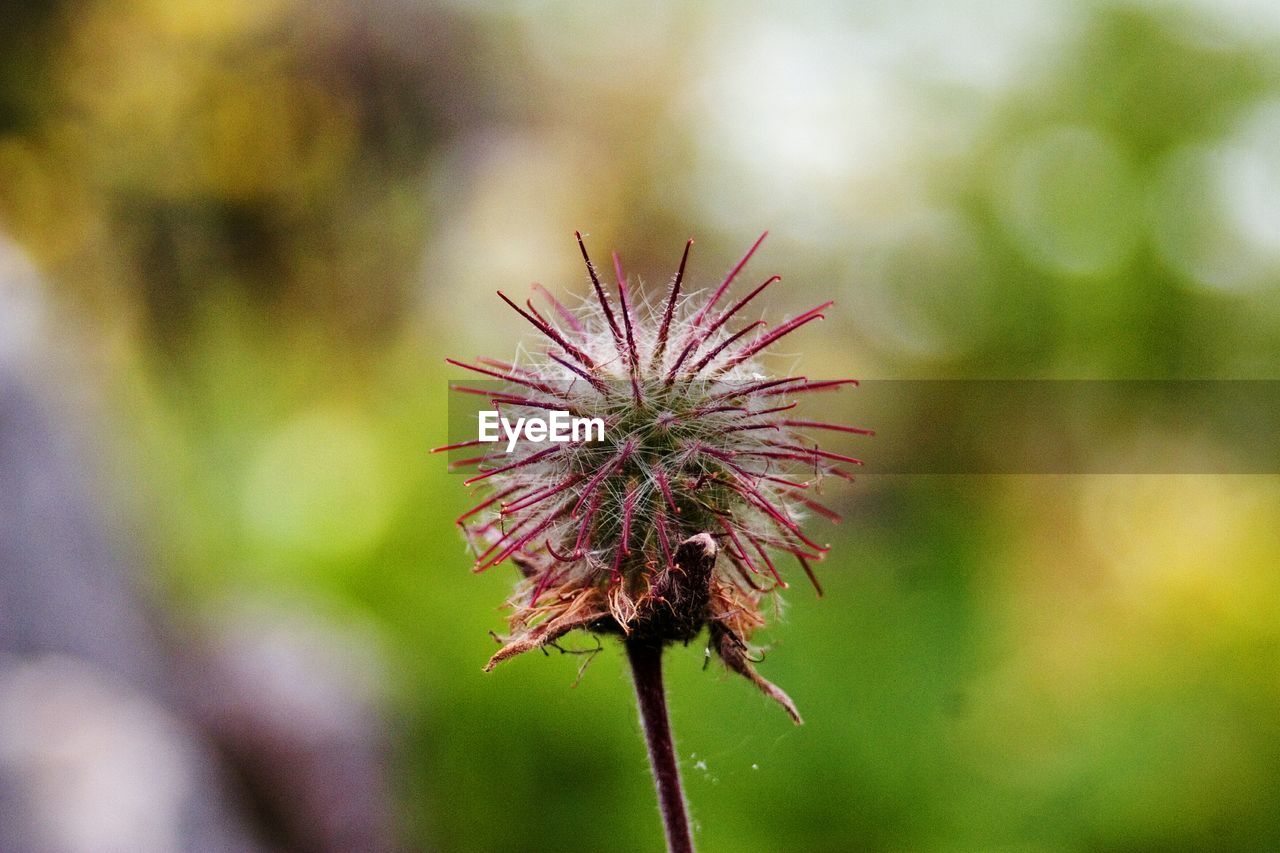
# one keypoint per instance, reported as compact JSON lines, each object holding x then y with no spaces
{"x":675,"y":520}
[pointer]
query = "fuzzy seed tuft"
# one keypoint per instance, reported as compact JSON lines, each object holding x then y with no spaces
{"x":675,"y":521}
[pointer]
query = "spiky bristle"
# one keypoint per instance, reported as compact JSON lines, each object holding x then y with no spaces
{"x":697,"y":448}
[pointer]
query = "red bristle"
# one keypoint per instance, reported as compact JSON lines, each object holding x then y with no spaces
{"x":791,"y":548}
{"x":775,"y":409}
{"x":498,"y":543}
{"x":589,"y":491}
{"x":799,"y":534}
{"x":487,"y":503}
{"x":729,"y":312}
{"x":539,"y":497}
{"x":605,"y":470}
{"x":808,"y":571}
{"x":756,"y":388}
{"x":825,"y":454}
{"x":474,"y":534}
{"x":615,"y":571}
{"x":600,"y":294}
{"x":689,"y":347}
{"x":632,"y":360}
{"x":500,"y":397}
{"x":528,"y":460}
{"x":785,"y":329}
{"x":715,"y":410}
{"x":543,"y":583}
{"x":467,"y":389}
{"x":628,"y":508}
{"x":755,"y":543}
{"x":512,"y":548}
{"x":550,"y":332}
{"x":781,"y":481}
{"x":665,"y":487}
{"x":749,"y":427}
{"x":728,"y":280}
{"x":595,"y":383}
{"x":617,"y":270}
{"x":761,"y":502}
{"x":565,"y":313}
{"x":742,"y":571}
{"x":562,"y":558}
{"x":834,"y":427}
{"x":706,"y":359}
{"x":742,"y":552}
{"x":780,"y":454}
{"x":484,"y":371}
{"x":472,"y":443}
{"x":821,"y":509}
{"x":727,"y":458}
{"x":726,"y":455}
{"x":663,"y":541}
{"x":493,"y":561}
{"x":697,"y":338}
{"x":505,"y":366}
{"x":671,"y":305}
{"x":587,"y":518}
{"x":814,"y":386}
{"x":528,"y":303}
{"x":467,"y":463}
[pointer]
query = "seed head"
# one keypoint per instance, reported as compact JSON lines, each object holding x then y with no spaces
{"x":674,"y":521}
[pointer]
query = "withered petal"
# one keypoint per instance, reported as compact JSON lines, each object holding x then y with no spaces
{"x":582,"y":611}
{"x":733,"y":651}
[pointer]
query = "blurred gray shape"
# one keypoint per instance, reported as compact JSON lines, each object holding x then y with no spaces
{"x":86,"y":735}
{"x":90,"y":765}
{"x":93,"y":758}
{"x":294,"y":702}
{"x":63,"y":589}
{"x":265,"y":726}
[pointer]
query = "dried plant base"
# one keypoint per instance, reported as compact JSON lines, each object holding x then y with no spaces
{"x":679,"y":603}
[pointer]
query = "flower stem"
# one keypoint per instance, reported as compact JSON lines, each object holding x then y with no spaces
{"x":646,"y":671}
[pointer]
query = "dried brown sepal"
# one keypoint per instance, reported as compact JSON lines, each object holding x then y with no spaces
{"x":574,"y":609}
{"x":680,"y":600}
{"x":733,"y":650}
{"x":676,"y":605}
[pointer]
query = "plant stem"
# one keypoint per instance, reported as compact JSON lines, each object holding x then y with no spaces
{"x":646,"y":671}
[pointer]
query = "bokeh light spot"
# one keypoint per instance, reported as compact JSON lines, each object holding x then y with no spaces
{"x":319,"y":487}
{"x":1215,"y":209}
{"x":924,"y":291}
{"x":1068,"y":200}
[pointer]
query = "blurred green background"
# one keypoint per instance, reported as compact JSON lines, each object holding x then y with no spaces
{"x":260,"y":226}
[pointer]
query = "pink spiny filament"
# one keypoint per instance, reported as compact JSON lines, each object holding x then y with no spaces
{"x":697,"y":444}
{"x":671,"y":306}
{"x":600,"y":294}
